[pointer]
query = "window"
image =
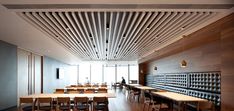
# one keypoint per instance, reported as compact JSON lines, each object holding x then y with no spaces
{"x":122,"y":71}
{"x":99,"y":73}
{"x":84,"y":71}
{"x":109,"y":74}
{"x":133,"y":72}
{"x":96,"y":73}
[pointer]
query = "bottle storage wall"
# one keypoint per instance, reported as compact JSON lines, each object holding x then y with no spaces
{"x":204,"y":85}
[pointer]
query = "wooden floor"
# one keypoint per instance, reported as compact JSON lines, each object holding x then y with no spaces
{"x":122,"y":103}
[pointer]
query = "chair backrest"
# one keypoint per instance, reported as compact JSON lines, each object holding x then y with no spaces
{"x":133,"y":81}
{"x":63,"y":103}
{"x":72,"y":91}
{"x":89,"y":90}
{"x":81,"y":100}
{"x":59,"y":91}
{"x":87,"y":85}
{"x":103,"y":85}
{"x":80,"y":85}
{"x":95,"y":85}
{"x":208,"y":105}
{"x":44,"y":100}
{"x":26,"y":101}
{"x":100,"y":100}
{"x":73,"y":85}
{"x":80,"y":90}
{"x":102,"y":90}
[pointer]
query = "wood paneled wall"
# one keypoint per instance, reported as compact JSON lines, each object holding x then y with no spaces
{"x":208,"y":49}
{"x":143,"y":70}
{"x":227,"y":65}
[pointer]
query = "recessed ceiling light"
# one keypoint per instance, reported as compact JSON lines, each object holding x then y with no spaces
{"x":90,"y":35}
{"x":107,"y":26}
{"x":124,"y":35}
{"x":182,"y":28}
{"x":148,"y":28}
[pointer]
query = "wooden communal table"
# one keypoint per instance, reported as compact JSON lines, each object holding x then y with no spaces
{"x":91,"y":95}
{"x":134,"y":85}
{"x":144,"y":87}
{"x":180,"y":98}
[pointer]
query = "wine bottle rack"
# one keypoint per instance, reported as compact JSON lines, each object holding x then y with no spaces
{"x":175,"y":89}
{"x":177,"y":80}
{"x":209,"y":81}
{"x":215,"y":98}
{"x":206,"y":85}
{"x":159,"y":79}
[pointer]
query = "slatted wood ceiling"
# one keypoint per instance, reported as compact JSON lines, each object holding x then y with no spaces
{"x":115,"y":35}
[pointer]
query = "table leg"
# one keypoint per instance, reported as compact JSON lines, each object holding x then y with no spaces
{"x":197,"y":106}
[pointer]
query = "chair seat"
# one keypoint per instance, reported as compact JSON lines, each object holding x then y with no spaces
{"x":64,"y":108}
{"x":82,"y":107}
{"x":100,"y":106}
{"x":27,"y":108}
{"x":47,"y":108}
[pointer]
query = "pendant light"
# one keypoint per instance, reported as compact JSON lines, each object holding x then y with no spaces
{"x":183,"y":63}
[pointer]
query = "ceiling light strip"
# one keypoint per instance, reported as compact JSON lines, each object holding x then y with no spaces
{"x":142,"y":29}
{"x":118,"y":37}
{"x":55,"y":29}
{"x":131,"y":37}
{"x":119,"y":47}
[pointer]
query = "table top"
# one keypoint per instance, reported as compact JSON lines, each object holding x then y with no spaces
{"x":134,"y":85}
{"x":179,"y":97}
{"x":85,"y":88}
{"x":145,"y":87}
{"x":109,"y":95}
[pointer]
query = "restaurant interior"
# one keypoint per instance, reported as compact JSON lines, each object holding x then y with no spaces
{"x":116,"y":55}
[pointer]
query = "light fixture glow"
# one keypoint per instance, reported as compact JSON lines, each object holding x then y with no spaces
{"x":183,"y":63}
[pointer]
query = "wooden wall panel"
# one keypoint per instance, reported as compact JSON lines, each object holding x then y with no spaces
{"x":204,"y":58}
{"x":209,"y":49}
{"x":142,"y":72}
{"x":227,"y":67}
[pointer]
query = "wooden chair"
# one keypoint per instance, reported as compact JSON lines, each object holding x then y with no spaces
{"x":72,"y":91}
{"x":148,"y":100}
{"x":134,"y":92}
{"x":206,"y":106}
{"x":81,"y":103}
{"x":59,"y":91}
{"x":26,"y":104}
{"x":102,"y":90}
{"x":80,"y":90}
{"x":89,"y":90}
{"x":73,"y":85}
{"x":100,"y":103}
{"x":95,"y":85}
{"x":103,"y":85}
{"x":87,"y":85}
{"x":80,"y":85}
{"x":45,"y":103}
{"x":160,"y":104}
{"x":64,"y":103}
